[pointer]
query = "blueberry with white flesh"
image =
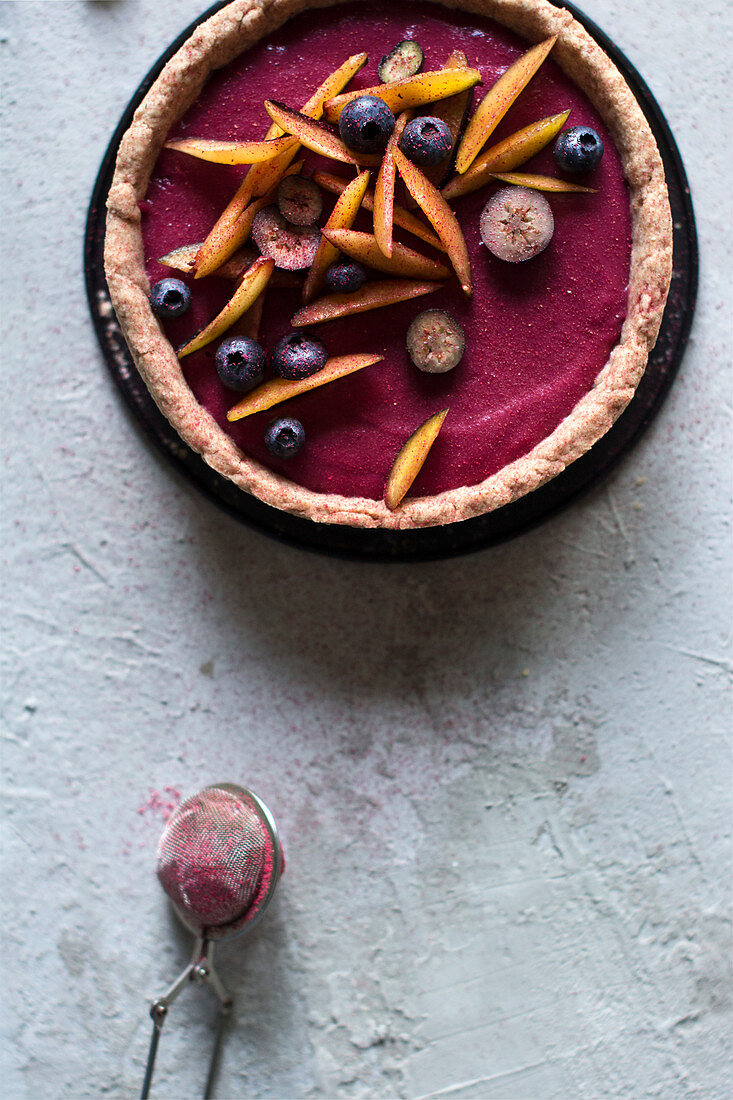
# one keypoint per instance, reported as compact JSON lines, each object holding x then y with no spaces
{"x":296,"y":356}
{"x":435,"y":341}
{"x":406,"y":59}
{"x":170,"y":298}
{"x":292,"y":247}
{"x":240,"y":363}
{"x":517,"y":224}
{"x":299,"y":200}
{"x":426,"y":141}
{"x":366,"y":124}
{"x":285,"y":437}
{"x":345,"y":276}
{"x":578,"y":150}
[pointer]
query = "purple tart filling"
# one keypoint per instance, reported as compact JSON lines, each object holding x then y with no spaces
{"x":537,"y":333}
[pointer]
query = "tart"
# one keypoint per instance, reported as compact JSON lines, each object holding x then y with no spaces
{"x":554,"y":347}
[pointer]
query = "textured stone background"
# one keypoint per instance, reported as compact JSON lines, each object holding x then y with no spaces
{"x":503,"y":781}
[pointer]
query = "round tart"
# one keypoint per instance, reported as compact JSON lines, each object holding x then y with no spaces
{"x":554,"y":346}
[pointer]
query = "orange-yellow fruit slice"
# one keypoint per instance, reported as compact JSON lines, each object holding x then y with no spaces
{"x":183,"y":259}
{"x":342,"y":217}
{"x":384,"y":189}
{"x":314,"y":135}
{"x":412,"y":91}
{"x":252,"y":285}
{"x":404,"y":261}
{"x":262,"y":177}
{"x":233,"y":152}
{"x":453,"y":113}
{"x":370,"y":296}
{"x":280,"y":389}
{"x":401,"y":217}
{"x":441,"y":217}
{"x":497,"y":102}
{"x":233,"y":233}
{"x":512,"y":152}
{"x":411,"y":459}
{"x":541,"y":183}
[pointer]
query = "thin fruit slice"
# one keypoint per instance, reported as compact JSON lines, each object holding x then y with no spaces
{"x":435,"y":341}
{"x":314,"y":135}
{"x":413,"y":91}
{"x":292,"y":247}
{"x":410,"y":460}
{"x":233,"y":152}
{"x":384,"y":189}
{"x":404,"y":261}
{"x":401,"y":217}
{"x":250,"y":288}
{"x":183,"y":259}
{"x":233,"y":233}
{"x":516,"y":224}
{"x":261,"y":177}
{"x":342,"y":217}
{"x":405,"y":59}
{"x":441,"y":217}
{"x":280,"y":389}
{"x":497,"y":102}
{"x":371,"y":296}
{"x":453,"y":112}
{"x":249,"y":323}
{"x":541,"y":183}
{"x":512,"y":152}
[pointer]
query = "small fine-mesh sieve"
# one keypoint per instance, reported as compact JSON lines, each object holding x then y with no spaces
{"x":219,"y":861}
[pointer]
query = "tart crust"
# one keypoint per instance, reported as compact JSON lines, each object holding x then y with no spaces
{"x":217,"y":42}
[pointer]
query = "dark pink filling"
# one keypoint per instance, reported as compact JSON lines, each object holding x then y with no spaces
{"x":537,"y":333}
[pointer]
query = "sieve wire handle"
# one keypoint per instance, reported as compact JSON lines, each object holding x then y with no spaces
{"x":201,"y":971}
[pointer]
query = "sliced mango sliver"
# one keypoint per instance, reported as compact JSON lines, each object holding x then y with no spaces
{"x":233,"y":152}
{"x":497,"y":102}
{"x":342,"y":217}
{"x":541,"y":183}
{"x":371,"y":296}
{"x":313,"y":135}
{"x":404,"y":261}
{"x":412,"y":91}
{"x":281,"y":389}
{"x":252,"y":285}
{"x":403,"y":218}
{"x":384,"y":189}
{"x":411,"y":459}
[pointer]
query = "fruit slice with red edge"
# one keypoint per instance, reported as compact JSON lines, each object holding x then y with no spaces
{"x":252,"y":285}
{"x":411,"y":459}
{"x":261,"y":177}
{"x":183,"y":259}
{"x":342,"y":217}
{"x":371,"y":296}
{"x":384,"y":189}
{"x":401,"y":217}
{"x":413,"y":91}
{"x":441,"y":217}
{"x":292,"y":247}
{"x":215,"y":251}
{"x":542,"y":183}
{"x":404,"y":261}
{"x":280,"y":389}
{"x":233,"y":152}
{"x":314,"y":135}
{"x":497,"y":102}
{"x":512,"y":152}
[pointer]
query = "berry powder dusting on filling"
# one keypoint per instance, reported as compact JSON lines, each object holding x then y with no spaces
{"x":537,"y":333}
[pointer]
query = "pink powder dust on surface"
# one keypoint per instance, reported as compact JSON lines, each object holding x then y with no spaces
{"x":161,"y":804}
{"x":537,"y":333}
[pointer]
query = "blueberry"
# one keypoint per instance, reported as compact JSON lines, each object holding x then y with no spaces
{"x":240,"y":363}
{"x":426,"y":141}
{"x":285,"y":437}
{"x":295,"y":356}
{"x":366,"y":124}
{"x":578,"y":150}
{"x":170,"y":298}
{"x":345,"y":276}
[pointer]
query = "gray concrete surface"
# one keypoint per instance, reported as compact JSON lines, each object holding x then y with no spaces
{"x":503,"y":781}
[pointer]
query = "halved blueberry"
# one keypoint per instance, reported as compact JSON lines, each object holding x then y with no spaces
{"x":285,"y":437}
{"x":240,"y":363}
{"x":578,"y":150}
{"x":170,"y":298}
{"x":345,"y":276}
{"x":426,"y":140}
{"x":296,"y":356}
{"x":366,"y":124}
